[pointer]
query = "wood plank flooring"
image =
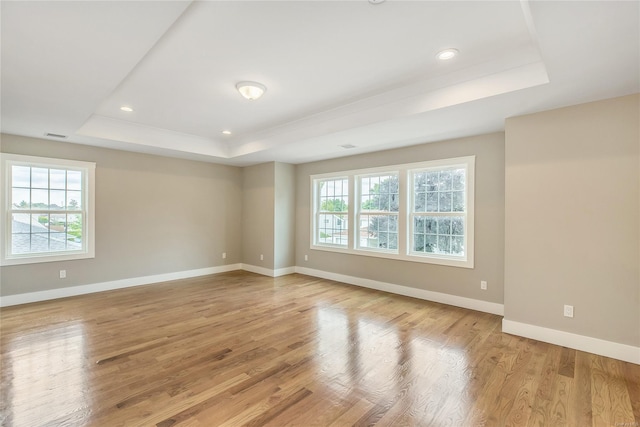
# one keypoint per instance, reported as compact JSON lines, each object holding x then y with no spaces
{"x":239,"y":349}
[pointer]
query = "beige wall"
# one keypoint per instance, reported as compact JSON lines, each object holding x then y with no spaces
{"x":268,"y":195}
{"x":258,"y":195}
{"x":154,"y":215}
{"x":489,"y":222}
{"x":573,"y":219}
{"x":284,"y":234}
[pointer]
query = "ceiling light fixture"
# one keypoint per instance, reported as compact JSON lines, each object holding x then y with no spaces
{"x":226,"y":132}
{"x":126,"y":109}
{"x":251,"y":90}
{"x":446,"y":54}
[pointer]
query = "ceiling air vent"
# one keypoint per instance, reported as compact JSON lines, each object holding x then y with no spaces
{"x":54,"y":135}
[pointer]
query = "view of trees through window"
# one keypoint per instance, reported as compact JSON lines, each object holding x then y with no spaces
{"x":378,"y":216}
{"x":438,"y":211}
{"x":333,"y":215}
{"x":419,"y":211}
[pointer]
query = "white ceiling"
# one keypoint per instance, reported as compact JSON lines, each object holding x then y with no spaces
{"x":337,"y":72}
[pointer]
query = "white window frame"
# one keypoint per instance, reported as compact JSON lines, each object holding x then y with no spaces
{"x":405,"y":219}
{"x":87,"y":210}
{"x":359,"y":212}
{"x":316,"y":212}
{"x":468,"y":164}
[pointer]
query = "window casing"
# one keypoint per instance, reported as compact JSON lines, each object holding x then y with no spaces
{"x":47,"y":209}
{"x":331,"y":213}
{"x":377,"y":213}
{"x":421,"y":212}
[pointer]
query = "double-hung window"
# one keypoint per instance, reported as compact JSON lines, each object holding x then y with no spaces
{"x":420,"y":212}
{"x":440,"y":212}
{"x":332,"y":212}
{"x":378,"y":212}
{"x":48,"y":209}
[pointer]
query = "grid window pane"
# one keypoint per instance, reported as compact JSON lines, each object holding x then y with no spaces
{"x":21,"y":198}
{"x":74,"y":200}
{"x":333,"y":229}
{"x":379,"y":193}
{"x":458,"y":201}
{"x":57,"y":199}
{"x":74,"y":180}
{"x":378,"y":232}
{"x":39,"y":178}
{"x":74,"y":232}
{"x":47,"y":196}
{"x":439,"y":235}
{"x":444,"y":201}
{"x":21,"y":176}
{"x":438,"y":213}
{"x":444,"y":183}
{"x":458,"y":178}
{"x":57,"y":179}
{"x":39,"y":199}
{"x":332,"y":226}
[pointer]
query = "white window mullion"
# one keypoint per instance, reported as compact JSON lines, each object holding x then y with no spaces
{"x":354,"y":209}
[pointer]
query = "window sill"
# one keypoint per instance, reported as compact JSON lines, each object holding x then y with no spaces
{"x":36,"y":259}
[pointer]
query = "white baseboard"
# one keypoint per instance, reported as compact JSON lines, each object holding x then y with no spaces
{"x":611,"y":349}
{"x":111,"y":285}
{"x":458,"y":301}
{"x":267,"y":271}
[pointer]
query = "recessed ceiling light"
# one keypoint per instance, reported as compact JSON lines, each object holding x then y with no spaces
{"x":226,"y":132}
{"x":126,"y":109}
{"x":375,"y":1}
{"x":446,"y":54}
{"x":347,"y":146}
{"x":251,"y":90}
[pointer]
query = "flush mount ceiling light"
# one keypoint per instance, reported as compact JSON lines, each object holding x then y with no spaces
{"x":446,"y":54}
{"x":251,"y":90}
{"x":126,"y":109}
{"x":226,"y":132}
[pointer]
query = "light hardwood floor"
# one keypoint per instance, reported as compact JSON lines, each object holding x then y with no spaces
{"x":242,"y":349}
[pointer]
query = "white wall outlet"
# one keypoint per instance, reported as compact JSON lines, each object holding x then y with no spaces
{"x":568,"y":311}
{"x":483,"y":285}
{"x":306,"y":257}
{"x":261,"y":257}
{"x":224,"y":255}
{"x":63,"y":274}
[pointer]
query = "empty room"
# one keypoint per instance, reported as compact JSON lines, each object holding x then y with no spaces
{"x":320,"y":213}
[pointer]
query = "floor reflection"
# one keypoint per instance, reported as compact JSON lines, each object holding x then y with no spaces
{"x":334,"y":347}
{"x":393,"y":362}
{"x":45,"y":365}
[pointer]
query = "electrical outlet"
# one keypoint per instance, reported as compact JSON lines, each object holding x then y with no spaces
{"x":306,"y":257}
{"x":483,"y":285}
{"x":261,"y":257}
{"x":224,"y":255}
{"x":63,"y":274}
{"x":568,"y":311}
